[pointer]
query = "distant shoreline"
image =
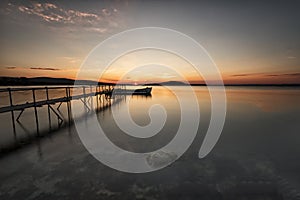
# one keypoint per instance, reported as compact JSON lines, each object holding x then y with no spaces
{"x":43,"y":81}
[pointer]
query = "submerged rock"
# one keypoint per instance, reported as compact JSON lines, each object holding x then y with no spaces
{"x":160,"y":158}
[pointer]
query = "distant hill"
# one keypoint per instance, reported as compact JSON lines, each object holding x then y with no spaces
{"x":170,"y":83}
{"x":179,"y":83}
{"x":21,"y":81}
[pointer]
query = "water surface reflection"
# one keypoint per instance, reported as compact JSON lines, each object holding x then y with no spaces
{"x":257,"y":156}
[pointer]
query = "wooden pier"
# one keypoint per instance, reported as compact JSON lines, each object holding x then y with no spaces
{"x":85,"y":95}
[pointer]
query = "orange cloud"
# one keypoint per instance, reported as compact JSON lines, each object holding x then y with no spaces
{"x":45,"y":68}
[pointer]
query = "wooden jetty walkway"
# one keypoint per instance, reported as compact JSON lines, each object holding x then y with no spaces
{"x":35,"y":103}
{"x":85,"y":95}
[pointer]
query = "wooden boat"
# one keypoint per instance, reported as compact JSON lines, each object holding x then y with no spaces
{"x":142,"y":91}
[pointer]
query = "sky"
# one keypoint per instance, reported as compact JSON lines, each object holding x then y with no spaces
{"x":251,"y":42}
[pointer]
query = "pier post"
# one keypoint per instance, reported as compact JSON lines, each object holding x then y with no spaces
{"x":68,"y":104}
{"x":12,"y":115}
{"x":102,"y":90}
{"x":35,"y":113}
{"x":84,"y":98}
{"x":97,"y":94}
{"x":49,"y":115}
{"x":91,"y":96}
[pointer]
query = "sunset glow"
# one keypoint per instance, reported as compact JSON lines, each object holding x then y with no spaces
{"x":52,"y":40}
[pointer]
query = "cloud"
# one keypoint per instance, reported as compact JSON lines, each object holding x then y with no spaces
{"x":98,"y":21}
{"x":52,"y":13}
{"x":32,"y":68}
{"x":45,"y":68}
{"x":267,"y":75}
{"x":285,"y":74}
{"x":11,"y":67}
{"x":291,"y":57}
{"x":241,"y":75}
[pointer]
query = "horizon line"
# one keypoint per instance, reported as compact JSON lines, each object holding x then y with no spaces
{"x":69,"y":81}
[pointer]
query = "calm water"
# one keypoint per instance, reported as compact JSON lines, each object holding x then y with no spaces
{"x":256,"y":157}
